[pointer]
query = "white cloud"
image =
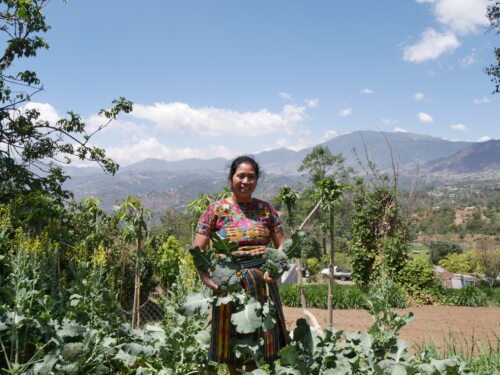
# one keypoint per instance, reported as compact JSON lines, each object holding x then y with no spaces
{"x":462,"y":16}
{"x":425,"y":1}
{"x":484,"y":138}
{"x":431,"y":45}
{"x":468,"y":60}
{"x":425,"y":118}
{"x":47,"y":111}
{"x":151,"y":148}
{"x":388,"y":121}
{"x":483,"y":100}
{"x":311,"y":103}
{"x":286,"y":96}
{"x":399,"y":130}
{"x":329,"y":134}
{"x":367,"y":91}
{"x":181,"y":117}
{"x":345,"y":112}
{"x":299,"y":144}
{"x":459,"y":127}
{"x":418,"y":96}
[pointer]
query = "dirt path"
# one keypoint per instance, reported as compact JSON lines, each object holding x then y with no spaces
{"x":468,"y":326}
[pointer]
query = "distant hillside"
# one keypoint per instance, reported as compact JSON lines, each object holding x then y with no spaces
{"x":476,"y":158}
{"x":162,"y":184}
{"x":408,"y":150}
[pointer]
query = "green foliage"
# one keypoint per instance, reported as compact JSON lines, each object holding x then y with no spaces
{"x":289,"y":198}
{"x":419,"y":280}
{"x":466,"y":296}
{"x":378,"y":239}
{"x":344,"y":296}
{"x":311,"y":248}
{"x":313,"y":266}
{"x":276,"y":262}
{"x":459,"y":263}
{"x":170,"y":257}
{"x":440,"y":249}
{"x":29,"y":145}
{"x":493,"y":70}
{"x":320,"y":162}
{"x":377,"y":351}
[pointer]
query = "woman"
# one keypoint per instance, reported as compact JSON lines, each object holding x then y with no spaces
{"x":253,"y":224}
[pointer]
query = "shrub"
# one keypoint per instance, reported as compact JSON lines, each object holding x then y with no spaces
{"x":440,"y":249}
{"x":419,"y":281}
{"x":313,"y":266}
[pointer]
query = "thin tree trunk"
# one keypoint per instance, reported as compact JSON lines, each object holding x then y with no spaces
{"x":331,"y":269}
{"x":324,"y":245}
{"x":298,"y":262}
{"x":303,"y":302}
{"x":136,"y":318}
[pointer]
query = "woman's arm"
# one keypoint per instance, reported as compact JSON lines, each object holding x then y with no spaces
{"x":278,"y":239}
{"x":202,"y":242}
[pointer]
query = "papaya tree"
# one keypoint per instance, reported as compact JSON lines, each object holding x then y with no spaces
{"x":135,"y":217}
{"x":329,"y":192}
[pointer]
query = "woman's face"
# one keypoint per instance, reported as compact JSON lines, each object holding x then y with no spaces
{"x":244,"y":181}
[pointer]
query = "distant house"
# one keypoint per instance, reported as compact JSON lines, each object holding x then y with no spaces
{"x":454,"y":280}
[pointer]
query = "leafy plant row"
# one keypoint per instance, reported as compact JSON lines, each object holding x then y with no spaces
{"x":355,"y":297}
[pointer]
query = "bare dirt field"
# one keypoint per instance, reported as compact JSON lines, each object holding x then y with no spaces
{"x":471,"y":328}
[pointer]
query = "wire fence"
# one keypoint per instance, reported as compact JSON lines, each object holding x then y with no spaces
{"x":150,"y":312}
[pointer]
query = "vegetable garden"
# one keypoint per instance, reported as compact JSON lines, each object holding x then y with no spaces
{"x":78,"y":285}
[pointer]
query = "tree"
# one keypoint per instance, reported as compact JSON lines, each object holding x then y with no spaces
{"x":440,"y":249}
{"x":378,"y":235}
{"x":32,"y":149}
{"x":329,"y":191}
{"x":135,"y":217}
{"x":459,"y":263}
{"x":487,"y":256}
{"x":493,"y":14}
{"x":320,"y":162}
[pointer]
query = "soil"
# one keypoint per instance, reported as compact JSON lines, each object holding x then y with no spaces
{"x":470,"y":328}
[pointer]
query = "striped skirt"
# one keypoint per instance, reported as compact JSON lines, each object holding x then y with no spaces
{"x":224,"y":335}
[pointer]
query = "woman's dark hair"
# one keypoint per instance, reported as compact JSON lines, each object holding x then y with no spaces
{"x":240,"y":160}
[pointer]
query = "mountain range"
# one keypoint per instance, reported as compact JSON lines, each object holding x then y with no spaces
{"x":162,"y":184}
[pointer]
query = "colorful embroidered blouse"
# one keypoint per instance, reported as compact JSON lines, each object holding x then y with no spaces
{"x":250,"y":224}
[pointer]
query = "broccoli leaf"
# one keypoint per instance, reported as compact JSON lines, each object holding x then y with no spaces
{"x":197,"y":303}
{"x":223,"y":245}
{"x":202,"y":259}
{"x":248,"y":320}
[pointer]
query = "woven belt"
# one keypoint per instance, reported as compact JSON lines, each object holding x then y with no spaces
{"x":251,"y":263}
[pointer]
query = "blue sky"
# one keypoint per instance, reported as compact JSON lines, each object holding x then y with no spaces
{"x":220,"y":78}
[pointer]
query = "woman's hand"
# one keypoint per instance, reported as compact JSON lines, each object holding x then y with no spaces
{"x":269,"y":279}
{"x":207,"y":280}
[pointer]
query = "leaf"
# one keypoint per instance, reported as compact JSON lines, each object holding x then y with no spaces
{"x":399,"y":369}
{"x":223,"y":245}
{"x":125,"y":358}
{"x":248,"y":320}
{"x":203,"y":337}
{"x":201,"y":258}
{"x":70,"y":328}
{"x":289,"y":356}
{"x":197,"y":303}
{"x":45,"y":368}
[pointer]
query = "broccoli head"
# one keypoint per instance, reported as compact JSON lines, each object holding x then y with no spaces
{"x":276,"y":262}
{"x":227,"y":275}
